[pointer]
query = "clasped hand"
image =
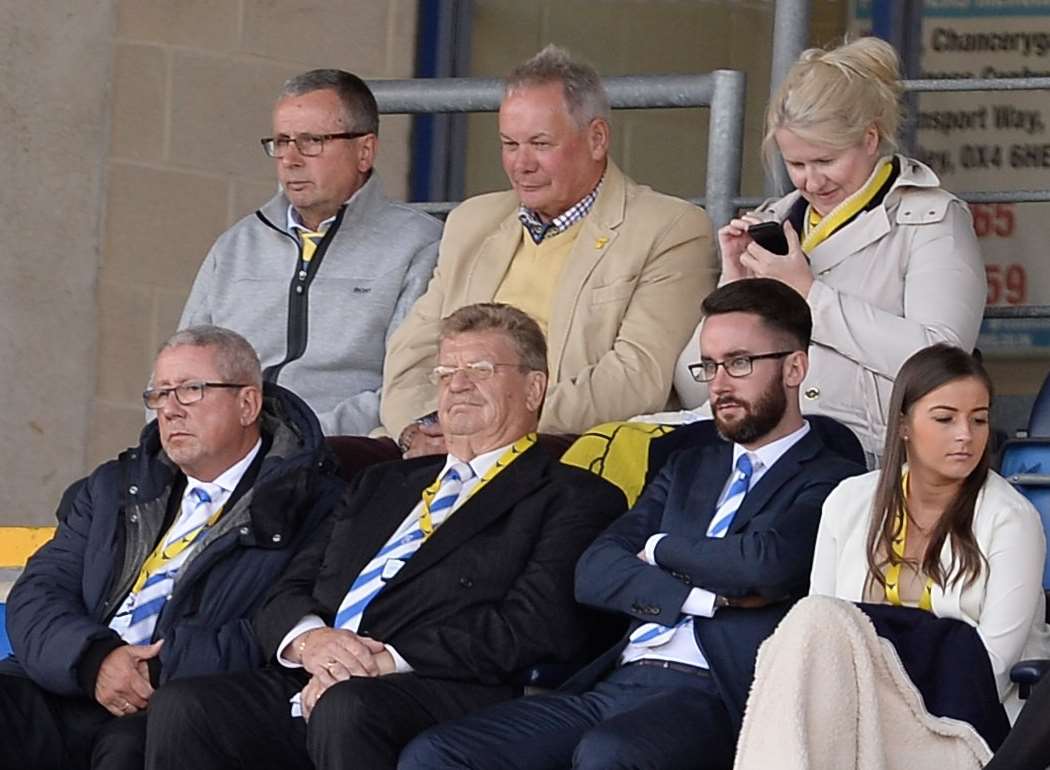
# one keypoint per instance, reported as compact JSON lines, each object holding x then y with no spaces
{"x":122,"y":686}
{"x":334,"y":655}
{"x":424,"y":439}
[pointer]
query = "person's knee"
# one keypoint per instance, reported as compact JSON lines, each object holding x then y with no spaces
{"x":177,"y":708}
{"x":602,"y":749}
{"x":341,"y":714}
{"x":121,"y":744}
{"x":428,"y":752}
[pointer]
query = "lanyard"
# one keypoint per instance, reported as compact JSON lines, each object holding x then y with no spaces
{"x":165,"y":552}
{"x":426,"y":523}
{"x":893,"y":574}
{"x":817,"y":229}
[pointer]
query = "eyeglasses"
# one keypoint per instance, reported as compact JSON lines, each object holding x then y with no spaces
{"x":737,"y":366}
{"x":475,"y":371}
{"x":187,"y":393}
{"x":308,"y":145}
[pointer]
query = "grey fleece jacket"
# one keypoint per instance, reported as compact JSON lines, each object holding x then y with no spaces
{"x":321,"y":332}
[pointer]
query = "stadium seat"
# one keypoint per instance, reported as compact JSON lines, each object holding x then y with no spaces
{"x":5,"y":644}
{"x":1025,"y":463}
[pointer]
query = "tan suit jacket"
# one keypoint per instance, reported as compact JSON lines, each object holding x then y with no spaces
{"x":626,"y":302}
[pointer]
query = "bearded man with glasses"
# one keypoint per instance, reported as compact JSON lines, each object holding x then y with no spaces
{"x":321,"y":331}
{"x":161,"y":556}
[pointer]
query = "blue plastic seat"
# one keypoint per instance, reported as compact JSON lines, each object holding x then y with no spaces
{"x":1025,"y":463}
{"x":5,"y":645}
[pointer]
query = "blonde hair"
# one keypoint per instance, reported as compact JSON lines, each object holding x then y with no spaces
{"x":833,"y":96}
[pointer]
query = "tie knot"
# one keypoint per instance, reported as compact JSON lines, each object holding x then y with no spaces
{"x":460,"y":472}
{"x":205,"y":493}
{"x":744,"y":466}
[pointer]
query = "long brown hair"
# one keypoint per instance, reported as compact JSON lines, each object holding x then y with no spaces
{"x":924,"y":372}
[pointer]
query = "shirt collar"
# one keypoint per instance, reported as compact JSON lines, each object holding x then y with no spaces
{"x":766,"y":455}
{"x":295,"y":222}
{"x":231,"y":477}
{"x":480,"y":465}
{"x":540,"y":230}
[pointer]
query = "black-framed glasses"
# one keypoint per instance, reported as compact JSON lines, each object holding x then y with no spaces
{"x":737,"y":366}
{"x":307,"y":144}
{"x":187,"y":393}
{"x":476,"y":371}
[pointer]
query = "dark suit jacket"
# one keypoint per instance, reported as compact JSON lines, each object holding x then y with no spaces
{"x":767,"y":551}
{"x":488,"y":594}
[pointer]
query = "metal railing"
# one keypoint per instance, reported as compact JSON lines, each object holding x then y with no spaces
{"x":722,"y":91}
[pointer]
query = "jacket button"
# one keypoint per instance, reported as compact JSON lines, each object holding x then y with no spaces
{"x":133,"y":518}
{"x":812,"y":393}
{"x":133,"y":489}
{"x":276,"y":538}
{"x":466,"y":582}
{"x":244,"y":530}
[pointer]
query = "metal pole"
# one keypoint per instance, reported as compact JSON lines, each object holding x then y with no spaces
{"x":790,"y":37}
{"x":484,"y":94}
{"x":725,"y":145}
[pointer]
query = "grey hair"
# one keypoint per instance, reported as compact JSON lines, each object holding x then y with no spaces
{"x":585,"y":95}
{"x":235,"y":357}
{"x":518,"y":325}
{"x":359,"y":104}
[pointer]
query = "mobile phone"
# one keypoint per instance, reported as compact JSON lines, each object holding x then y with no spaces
{"x":770,"y":236}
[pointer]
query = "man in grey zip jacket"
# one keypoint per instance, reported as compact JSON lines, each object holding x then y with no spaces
{"x":321,"y":276}
{"x":133,"y":591}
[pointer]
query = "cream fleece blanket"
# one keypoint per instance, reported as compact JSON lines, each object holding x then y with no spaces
{"x":829,"y":694}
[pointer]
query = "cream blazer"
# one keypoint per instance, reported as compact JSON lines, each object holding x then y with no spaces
{"x":626,"y":302}
{"x":899,"y":278}
{"x":1005,"y":604}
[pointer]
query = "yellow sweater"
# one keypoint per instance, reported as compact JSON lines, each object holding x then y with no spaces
{"x":533,"y":274}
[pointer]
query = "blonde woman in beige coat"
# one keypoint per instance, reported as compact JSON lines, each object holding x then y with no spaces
{"x":887,"y":260}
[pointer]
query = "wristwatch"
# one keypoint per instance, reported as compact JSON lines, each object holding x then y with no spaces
{"x":721,"y":601}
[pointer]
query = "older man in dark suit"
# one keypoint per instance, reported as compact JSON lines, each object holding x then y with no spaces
{"x":705,"y":565}
{"x":442,"y":578}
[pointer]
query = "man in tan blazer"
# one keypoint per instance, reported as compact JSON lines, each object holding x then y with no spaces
{"x":613,"y":271}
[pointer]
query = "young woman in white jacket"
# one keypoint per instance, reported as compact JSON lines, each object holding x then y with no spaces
{"x":936,"y":531}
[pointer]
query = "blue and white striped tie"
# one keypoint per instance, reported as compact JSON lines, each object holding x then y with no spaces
{"x":401,"y":546}
{"x":655,"y":634}
{"x":197,"y":509}
{"x":734,"y":497}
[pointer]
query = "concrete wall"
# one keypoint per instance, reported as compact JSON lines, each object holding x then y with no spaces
{"x":55,"y":71}
{"x":131,"y":142}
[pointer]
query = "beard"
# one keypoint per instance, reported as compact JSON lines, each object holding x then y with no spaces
{"x":759,"y":418}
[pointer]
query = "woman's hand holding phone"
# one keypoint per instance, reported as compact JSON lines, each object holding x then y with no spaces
{"x":791,"y":268}
{"x":733,"y":240}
